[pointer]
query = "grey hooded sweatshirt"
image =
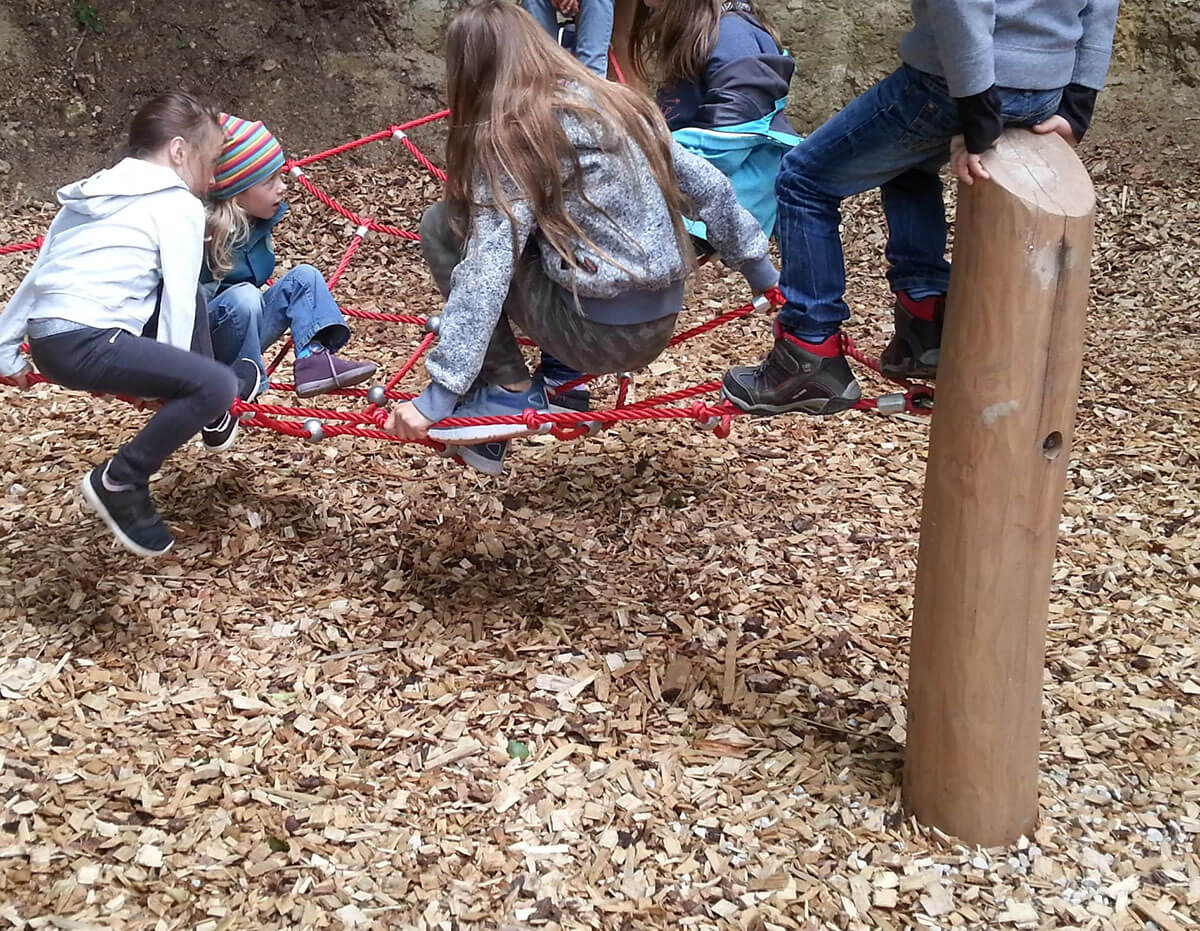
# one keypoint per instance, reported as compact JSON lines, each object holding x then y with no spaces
{"x":626,"y":216}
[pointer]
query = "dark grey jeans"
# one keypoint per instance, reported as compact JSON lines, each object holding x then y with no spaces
{"x":194,"y":389}
{"x":546,"y":313}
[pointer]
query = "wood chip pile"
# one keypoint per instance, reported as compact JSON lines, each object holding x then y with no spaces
{"x":647,"y":680}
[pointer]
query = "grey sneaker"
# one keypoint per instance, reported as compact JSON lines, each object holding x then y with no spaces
{"x":129,"y":514}
{"x":486,"y":457}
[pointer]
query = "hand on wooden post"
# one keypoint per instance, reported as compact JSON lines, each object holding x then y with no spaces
{"x":966,"y":166}
{"x":1057,"y":124}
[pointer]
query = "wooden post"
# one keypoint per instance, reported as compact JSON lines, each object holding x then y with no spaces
{"x":1003,"y":423}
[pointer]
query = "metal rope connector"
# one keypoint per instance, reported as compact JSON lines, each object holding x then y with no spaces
{"x":315,"y":429}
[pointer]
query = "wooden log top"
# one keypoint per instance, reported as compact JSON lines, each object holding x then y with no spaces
{"x":1042,"y":170}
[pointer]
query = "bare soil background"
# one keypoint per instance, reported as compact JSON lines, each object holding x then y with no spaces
{"x":321,"y":71}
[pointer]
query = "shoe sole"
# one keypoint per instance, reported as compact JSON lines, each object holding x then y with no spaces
{"x":89,"y":495}
{"x":259,"y":385}
{"x":564,"y":409}
{"x":229,"y":441}
{"x":468,"y":436}
{"x":479,"y":463}
{"x":908,"y":372}
{"x":813,"y":406}
{"x":325,"y":385}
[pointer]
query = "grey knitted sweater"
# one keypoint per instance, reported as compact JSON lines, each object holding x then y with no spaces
{"x":627,"y":218}
{"x":1024,"y":44}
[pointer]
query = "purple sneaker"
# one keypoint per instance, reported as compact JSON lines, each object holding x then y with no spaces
{"x":323,"y":371}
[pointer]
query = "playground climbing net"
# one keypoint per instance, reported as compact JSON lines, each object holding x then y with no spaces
{"x":700,"y":403}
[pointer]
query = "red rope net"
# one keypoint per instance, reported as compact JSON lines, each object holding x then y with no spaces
{"x":315,"y":423}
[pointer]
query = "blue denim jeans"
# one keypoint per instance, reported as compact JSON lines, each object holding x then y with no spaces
{"x":245,"y":321}
{"x":895,"y":137}
{"x":593,"y":29}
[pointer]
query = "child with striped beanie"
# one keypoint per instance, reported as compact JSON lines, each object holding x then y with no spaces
{"x":245,"y":204}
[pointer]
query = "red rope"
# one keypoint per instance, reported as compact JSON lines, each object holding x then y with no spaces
{"x":383,"y":318}
{"x":295,"y":421}
{"x":31,"y":246}
{"x":350,"y":215}
{"x":345,"y":147}
{"x":420,"y":157}
{"x":412,"y":360}
{"x":355,"y":242}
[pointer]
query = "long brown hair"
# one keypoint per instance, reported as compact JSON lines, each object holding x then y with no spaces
{"x":166,"y":116}
{"x":675,"y":41}
{"x":508,"y":83}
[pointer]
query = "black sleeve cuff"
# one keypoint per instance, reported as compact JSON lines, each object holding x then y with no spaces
{"x":1078,"y":103}
{"x":981,"y":120}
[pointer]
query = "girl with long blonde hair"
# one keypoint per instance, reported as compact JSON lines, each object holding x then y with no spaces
{"x":247,"y":315}
{"x":564,"y":213}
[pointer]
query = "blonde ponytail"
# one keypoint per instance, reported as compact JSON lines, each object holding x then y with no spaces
{"x":228,"y":227}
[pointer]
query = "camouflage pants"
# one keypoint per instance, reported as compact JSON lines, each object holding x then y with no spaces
{"x":546,"y":313}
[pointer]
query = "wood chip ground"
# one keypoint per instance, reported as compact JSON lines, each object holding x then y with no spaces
{"x":647,"y":680}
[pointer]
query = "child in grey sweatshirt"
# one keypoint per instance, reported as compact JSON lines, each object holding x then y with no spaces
{"x":971,"y":68}
{"x":608,"y":299}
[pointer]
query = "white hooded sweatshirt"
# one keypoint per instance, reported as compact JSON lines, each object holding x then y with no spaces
{"x":119,"y":234}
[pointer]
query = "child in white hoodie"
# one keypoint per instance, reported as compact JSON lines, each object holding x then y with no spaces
{"x":111,"y":305}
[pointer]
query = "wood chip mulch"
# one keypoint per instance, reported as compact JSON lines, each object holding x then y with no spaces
{"x":647,"y":680}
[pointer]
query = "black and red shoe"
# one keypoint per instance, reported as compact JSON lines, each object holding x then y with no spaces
{"x":813,"y":378}
{"x":913,"y":351}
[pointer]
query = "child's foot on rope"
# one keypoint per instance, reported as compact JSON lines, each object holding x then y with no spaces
{"x":574,"y":401}
{"x":491,"y":401}
{"x":913,"y":351}
{"x":219,"y":435}
{"x":813,"y":378}
{"x":128,"y":512}
{"x":486,"y":457}
{"x":249,"y":379}
{"x":323,"y":371}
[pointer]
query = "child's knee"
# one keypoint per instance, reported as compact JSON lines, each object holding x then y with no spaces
{"x":307,"y":275}
{"x":802,"y":172}
{"x":434,"y":224}
{"x":244,"y":300}
{"x":217,"y":391}
{"x":439,"y":245}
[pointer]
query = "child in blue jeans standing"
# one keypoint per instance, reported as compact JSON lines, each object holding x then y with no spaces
{"x":245,"y":205}
{"x":593,"y":27}
{"x":969,"y":70}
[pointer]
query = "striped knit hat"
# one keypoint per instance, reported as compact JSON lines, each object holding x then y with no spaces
{"x":250,"y":155}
